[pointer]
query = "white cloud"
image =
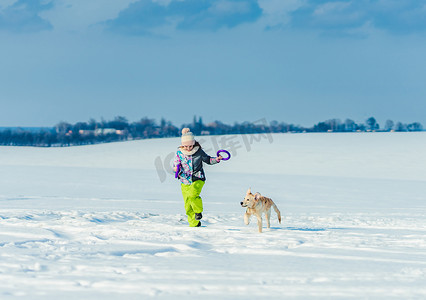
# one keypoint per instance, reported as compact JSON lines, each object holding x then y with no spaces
{"x":224,"y":7}
{"x":24,"y":16}
{"x":144,"y":16}
{"x":277,"y":12}
{"x":338,"y":16}
{"x":78,"y":15}
{"x":162,"y":2}
{"x":6,"y":3}
{"x":331,"y":8}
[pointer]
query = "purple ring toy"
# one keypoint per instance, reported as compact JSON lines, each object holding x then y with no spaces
{"x":177,"y":171}
{"x":224,"y":151}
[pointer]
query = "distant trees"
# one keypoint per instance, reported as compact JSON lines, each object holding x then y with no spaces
{"x":120,"y":129}
{"x":336,"y":125}
{"x":350,"y":125}
{"x":389,"y":125}
{"x":415,"y":127}
{"x":43,"y":138}
{"x":372,"y":124}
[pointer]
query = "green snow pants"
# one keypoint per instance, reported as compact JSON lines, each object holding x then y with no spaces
{"x":193,"y":201}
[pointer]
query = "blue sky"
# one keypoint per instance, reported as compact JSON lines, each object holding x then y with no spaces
{"x":297,"y":61}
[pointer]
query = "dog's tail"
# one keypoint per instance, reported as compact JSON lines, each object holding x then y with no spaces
{"x":277,"y":211}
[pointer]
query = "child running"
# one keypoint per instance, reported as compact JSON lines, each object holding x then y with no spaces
{"x":191,"y":156}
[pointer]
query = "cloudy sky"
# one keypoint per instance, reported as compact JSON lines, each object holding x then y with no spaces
{"x":298,"y":61}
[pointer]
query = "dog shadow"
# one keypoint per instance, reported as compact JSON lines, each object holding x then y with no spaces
{"x":272,"y":228}
{"x":305,"y":229}
{"x":310,"y":229}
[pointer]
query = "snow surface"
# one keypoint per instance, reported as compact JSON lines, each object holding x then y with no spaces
{"x":107,"y":221}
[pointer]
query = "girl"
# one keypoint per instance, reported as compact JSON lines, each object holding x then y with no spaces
{"x":191,"y":156}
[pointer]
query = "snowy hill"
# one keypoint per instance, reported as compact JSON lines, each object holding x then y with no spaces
{"x":107,"y":221}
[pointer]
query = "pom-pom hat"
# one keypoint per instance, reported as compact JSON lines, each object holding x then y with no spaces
{"x":187,"y":138}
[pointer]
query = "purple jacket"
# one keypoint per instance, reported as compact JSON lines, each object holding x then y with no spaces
{"x":192,"y":165}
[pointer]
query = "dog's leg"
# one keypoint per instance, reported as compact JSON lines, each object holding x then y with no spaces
{"x":268,"y":218}
{"x":259,"y":222}
{"x":247,"y":218}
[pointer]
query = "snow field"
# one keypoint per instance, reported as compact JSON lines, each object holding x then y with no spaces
{"x":112,"y":254}
{"x":98,"y":222}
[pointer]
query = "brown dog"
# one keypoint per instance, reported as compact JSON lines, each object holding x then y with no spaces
{"x":257,"y":205}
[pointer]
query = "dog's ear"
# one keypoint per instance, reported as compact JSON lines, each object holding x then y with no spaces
{"x":249,"y":191}
{"x":257,"y":196}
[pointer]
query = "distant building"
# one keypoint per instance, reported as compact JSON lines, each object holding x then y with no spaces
{"x":105,"y":131}
{"x":86,"y":132}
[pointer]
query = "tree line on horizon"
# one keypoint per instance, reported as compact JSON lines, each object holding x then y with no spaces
{"x":120,"y":129}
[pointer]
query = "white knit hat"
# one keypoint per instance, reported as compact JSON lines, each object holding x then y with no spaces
{"x":187,"y":138}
